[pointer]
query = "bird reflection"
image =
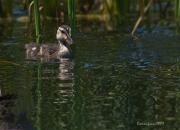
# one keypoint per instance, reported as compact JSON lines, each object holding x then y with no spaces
{"x":55,"y":93}
{"x":66,"y":69}
{"x":66,"y":78}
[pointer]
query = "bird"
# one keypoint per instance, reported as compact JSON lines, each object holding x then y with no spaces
{"x":65,"y":41}
{"x":52,"y":51}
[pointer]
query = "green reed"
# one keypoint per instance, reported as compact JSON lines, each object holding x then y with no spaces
{"x":72,"y":14}
{"x":177,"y":10}
{"x":37,"y":20}
{"x":177,"y":13}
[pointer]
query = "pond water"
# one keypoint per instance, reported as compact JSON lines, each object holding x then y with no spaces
{"x":112,"y":83}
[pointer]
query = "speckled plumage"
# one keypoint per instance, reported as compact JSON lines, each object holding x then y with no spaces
{"x":62,"y":50}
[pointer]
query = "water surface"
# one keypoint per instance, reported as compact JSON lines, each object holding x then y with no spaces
{"x":113,"y":83}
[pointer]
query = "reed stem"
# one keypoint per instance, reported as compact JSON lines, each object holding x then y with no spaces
{"x":37,"y":20}
{"x":141,"y":17}
{"x":69,"y":9}
{"x":72,"y":15}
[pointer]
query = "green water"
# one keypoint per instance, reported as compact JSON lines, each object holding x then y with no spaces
{"x":113,"y":83}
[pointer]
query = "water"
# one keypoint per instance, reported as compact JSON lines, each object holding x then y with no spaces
{"x":113,"y":83}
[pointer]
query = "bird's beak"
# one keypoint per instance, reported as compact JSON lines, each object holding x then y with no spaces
{"x":68,"y":39}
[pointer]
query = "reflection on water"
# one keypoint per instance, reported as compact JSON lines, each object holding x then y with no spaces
{"x":51,"y":106}
{"x":113,"y":83}
{"x":66,"y":69}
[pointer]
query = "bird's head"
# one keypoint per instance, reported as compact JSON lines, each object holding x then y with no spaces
{"x":64,"y":35}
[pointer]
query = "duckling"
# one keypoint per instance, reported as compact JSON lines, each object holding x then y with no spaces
{"x":31,"y":50}
{"x":65,"y":41}
{"x":62,"y":50}
{"x":48,"y":50}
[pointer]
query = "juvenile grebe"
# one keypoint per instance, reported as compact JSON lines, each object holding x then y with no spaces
{"x":62,"y":50}
{"x":65,"y":41}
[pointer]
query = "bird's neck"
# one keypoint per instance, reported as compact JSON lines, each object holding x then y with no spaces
{"x":63,"y":48}
{"x":61,"y":44}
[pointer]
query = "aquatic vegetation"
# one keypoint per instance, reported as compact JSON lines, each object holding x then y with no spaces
{"x":177,"y":13}
{"x":72,"y":14}
{"x":113,"y":13}
{"x":37,"y":20}
{"x":112,"y":83}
